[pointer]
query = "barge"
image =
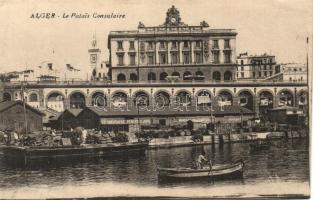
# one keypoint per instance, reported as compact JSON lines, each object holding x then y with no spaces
{"x":25,"y":155}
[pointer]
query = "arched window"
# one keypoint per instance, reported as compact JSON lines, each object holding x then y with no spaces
{"x":133,"y":77}
{"x":225,"y":98}
{"x":163,"y":76}
{"x":176,"y":74}
{"x":285,"y":98}
{"x":246,"y":99}
{"x":119,"y":100}
{"x":228,"y":76}
{"x":141,"y":99}
{"x":99,"y":75}
{"x":187,"y":75}
{"x":183,"y":98}
{"x":199,"y":75}
{"x":98,"y":99}
{"x":216,"y":76}
{"x":77,"y":100}
{"x":162,"y":99}
{"x":121,"y":78}
{"x":151,"y":76}
{"x":33,"y":97}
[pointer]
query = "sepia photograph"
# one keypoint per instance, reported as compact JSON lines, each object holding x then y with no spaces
{"x":160,"y":99}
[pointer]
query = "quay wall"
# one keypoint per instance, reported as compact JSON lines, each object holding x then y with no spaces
{"x":218,"y":139}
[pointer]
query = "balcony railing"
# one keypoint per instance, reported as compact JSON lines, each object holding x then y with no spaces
{"x":158,"y":82}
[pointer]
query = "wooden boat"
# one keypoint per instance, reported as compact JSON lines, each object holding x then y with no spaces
{"x":218,"y":171}
{"x":26,"y":154}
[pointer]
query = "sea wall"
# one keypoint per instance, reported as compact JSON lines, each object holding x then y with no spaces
{"x":217,"y":139}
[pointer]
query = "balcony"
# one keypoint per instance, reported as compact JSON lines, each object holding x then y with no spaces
{"x":108,"y":83}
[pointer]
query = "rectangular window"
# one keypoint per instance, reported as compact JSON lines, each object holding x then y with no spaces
{"x":186,"y":44}
{"x":265,"y":73}
{"x":215,"y":44}
{"x":162,"y":58}
{"x":150,"y":59}
{"x":242,"y":75}
{"x":242,"y":69}
{"x":226,"y":44}
{"x":227,"y":57}
{"x":271,"y":73}
{"x":162,"y":45}
{"x":198,"y":44}
{"x":131,"y":45}
{"x":174,"y":58}
{"x":260,"y":74}
{"x":186,"y":57}
{"x":198,"y":57}
{"x":241,"y":62}
{"x":150,"y":45}
{"x":132,"y":59}
{"x":253,"y":74}
{"x":119,"y":45}
{"x":174,"y":45}
{"x":120,"y":59}
{"x":216,"y":57}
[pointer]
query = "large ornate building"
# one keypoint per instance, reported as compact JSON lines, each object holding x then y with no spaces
{"x":163,"y":66}
{"x":173,"y":51}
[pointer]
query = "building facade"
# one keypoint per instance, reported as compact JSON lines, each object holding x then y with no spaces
{"x":173,"y":51}
{"x":174,"y":66}
{"x":251,"y":67}
{"x":12,"y":117}
{"x":295,"y":72}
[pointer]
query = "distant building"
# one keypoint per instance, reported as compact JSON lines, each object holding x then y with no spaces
{"x":12,"y":117}
{"x":99,"y":68}
{"x":256,"y":66}
{"x":295,"y":72}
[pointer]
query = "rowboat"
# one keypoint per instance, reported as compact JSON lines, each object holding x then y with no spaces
{"x":218,"y":171}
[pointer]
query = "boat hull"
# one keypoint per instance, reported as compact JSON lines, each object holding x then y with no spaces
{"x":27,"y":155}
{"x":232,"y":171}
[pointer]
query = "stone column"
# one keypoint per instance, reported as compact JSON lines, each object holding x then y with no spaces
{"x":191,"y":52}
{"x":275,"y":101}
{"x":236,"y":101}
{"x":256,"y":105}
{"x":168,"y":44}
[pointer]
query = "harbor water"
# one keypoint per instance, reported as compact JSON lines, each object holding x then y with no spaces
{"x":281,"y":170}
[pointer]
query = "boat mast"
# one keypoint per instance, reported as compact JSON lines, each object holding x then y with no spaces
{"x":24,"y":106}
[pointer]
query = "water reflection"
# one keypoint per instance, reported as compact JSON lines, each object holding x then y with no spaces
{"x":284,"y":161}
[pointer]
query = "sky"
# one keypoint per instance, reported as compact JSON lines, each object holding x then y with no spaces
{"x":279,"y":27}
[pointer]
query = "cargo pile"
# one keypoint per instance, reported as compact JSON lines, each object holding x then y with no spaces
{"x":52,"y":138}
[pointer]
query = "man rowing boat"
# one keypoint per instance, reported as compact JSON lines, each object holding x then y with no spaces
{"x":202,"y":160}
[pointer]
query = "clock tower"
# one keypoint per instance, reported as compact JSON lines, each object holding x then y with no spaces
{"x":94,"y":58}
{"x":173,"y":18}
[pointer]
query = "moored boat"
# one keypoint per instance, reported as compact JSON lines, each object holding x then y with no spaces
{"x":26,"y":154}
{"x":218,"y":171}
